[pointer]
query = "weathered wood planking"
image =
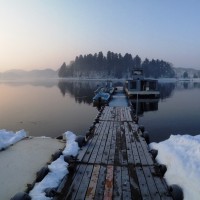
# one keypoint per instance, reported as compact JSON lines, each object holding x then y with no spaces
{"x":116,"y":114}
{"x":93,"y":183}
{"x":116,"y":163}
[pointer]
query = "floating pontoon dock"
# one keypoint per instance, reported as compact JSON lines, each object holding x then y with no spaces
{"x":116,"y":163}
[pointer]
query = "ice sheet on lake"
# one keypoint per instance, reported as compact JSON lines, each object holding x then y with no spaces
{"x":181,"y":155}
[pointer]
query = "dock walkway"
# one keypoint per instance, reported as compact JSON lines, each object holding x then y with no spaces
{"x":115,"y":163}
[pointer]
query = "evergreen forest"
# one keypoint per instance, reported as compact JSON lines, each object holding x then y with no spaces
{"x":114,"y":65}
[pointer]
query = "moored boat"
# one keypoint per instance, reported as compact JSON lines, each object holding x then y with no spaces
{"x":141,"y":87}
{"x":101,"y":98}
{"x":103,"y":93}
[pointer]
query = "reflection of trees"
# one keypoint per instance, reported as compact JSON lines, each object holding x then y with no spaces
{"x":187,"y":85}
{"x":82,"y":91}
{"x":166,"y":89}
{"x":144,"y":105}
{"x":196,"y":85}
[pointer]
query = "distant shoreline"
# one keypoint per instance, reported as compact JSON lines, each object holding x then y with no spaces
{"x":58,"y":79}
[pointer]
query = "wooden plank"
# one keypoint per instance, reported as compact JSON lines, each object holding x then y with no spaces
{"x":91,"y":157}
{"x":84,"y":183}
{"x":76,"y":183}
{"x":150,"y":183}
{"x":141,"y":154}
{"x":103,"y":114}
{"x":118,"y":154}
{"x":126,"y":114}
{"x":93,"y":183}
{"x":124,"y":156}
{"x":117,"y":185}
{"x":139,"y":146}
{"x":92,"y":144}
{"x":107,"y":112}
{"x":102,"y":143}
{"x":111,"y":115}
{"x":99,"y":193}
{"x":118,"y":114}
{"x":122,"y":115}
{"x":128,"y":145}
{"x":146,"y":151}
{"x":108,"y":192}
{"x":134,"y":185}
{"x":107,"y":148}
{"x":126,"y":189}
{"x":142,"y":183}
{"x":160,"y":184}
{"x":129,"y":114}
{"x":112,"y":146}
{"x":134,"y":149}
{"x":83,"y":150}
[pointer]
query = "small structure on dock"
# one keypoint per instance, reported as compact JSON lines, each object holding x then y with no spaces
{"x":141,"y":87}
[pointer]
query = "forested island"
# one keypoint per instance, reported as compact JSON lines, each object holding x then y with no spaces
{"x":114,"y":65}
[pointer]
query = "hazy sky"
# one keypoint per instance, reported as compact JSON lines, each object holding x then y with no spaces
{"x":44,"y":33}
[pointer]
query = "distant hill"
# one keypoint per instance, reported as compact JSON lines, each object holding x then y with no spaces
{"x":33,"y":74}
{"x":192,"y":73}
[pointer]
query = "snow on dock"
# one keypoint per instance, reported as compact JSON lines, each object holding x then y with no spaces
{"x":119,"y":98}
{"x":20,"y":162}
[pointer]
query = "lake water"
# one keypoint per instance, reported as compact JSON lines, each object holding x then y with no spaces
{"x":50,"y":108}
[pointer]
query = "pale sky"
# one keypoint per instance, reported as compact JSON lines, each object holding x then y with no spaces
{"x":38,"y":34}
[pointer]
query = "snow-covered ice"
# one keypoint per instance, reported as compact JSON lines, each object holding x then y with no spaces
{"x":58,"y":169}
{"x":8,"y":138}
{"x":181,"y":155}
{"x":20,"y":162}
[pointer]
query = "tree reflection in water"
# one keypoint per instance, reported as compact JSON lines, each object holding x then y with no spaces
{"x":82,"y":91}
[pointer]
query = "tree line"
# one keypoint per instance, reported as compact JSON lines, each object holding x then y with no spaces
{"x":114,"y":65}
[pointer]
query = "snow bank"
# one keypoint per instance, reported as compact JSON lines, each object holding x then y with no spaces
{"x":71,"y":145}
{"x":8,"y":138}
{"x":58,"y":169}
{"x":181,"y":155}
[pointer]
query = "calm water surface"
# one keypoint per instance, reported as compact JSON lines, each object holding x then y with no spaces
{"x":178,"y":111}
{"x":50,"y":108}
{"x":47,"y":108}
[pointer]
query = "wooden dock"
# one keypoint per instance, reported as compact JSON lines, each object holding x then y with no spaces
{"x":115,"y":163}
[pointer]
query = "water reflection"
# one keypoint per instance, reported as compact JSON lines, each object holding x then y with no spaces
{"x":51,"y":107}
{"x":166,"y":89}
{"x":144,"y":105}
{"x":178,"y":112}
{"x":82,"y":91}
{"x":147,"y":105}
{"x":48,"y":83}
